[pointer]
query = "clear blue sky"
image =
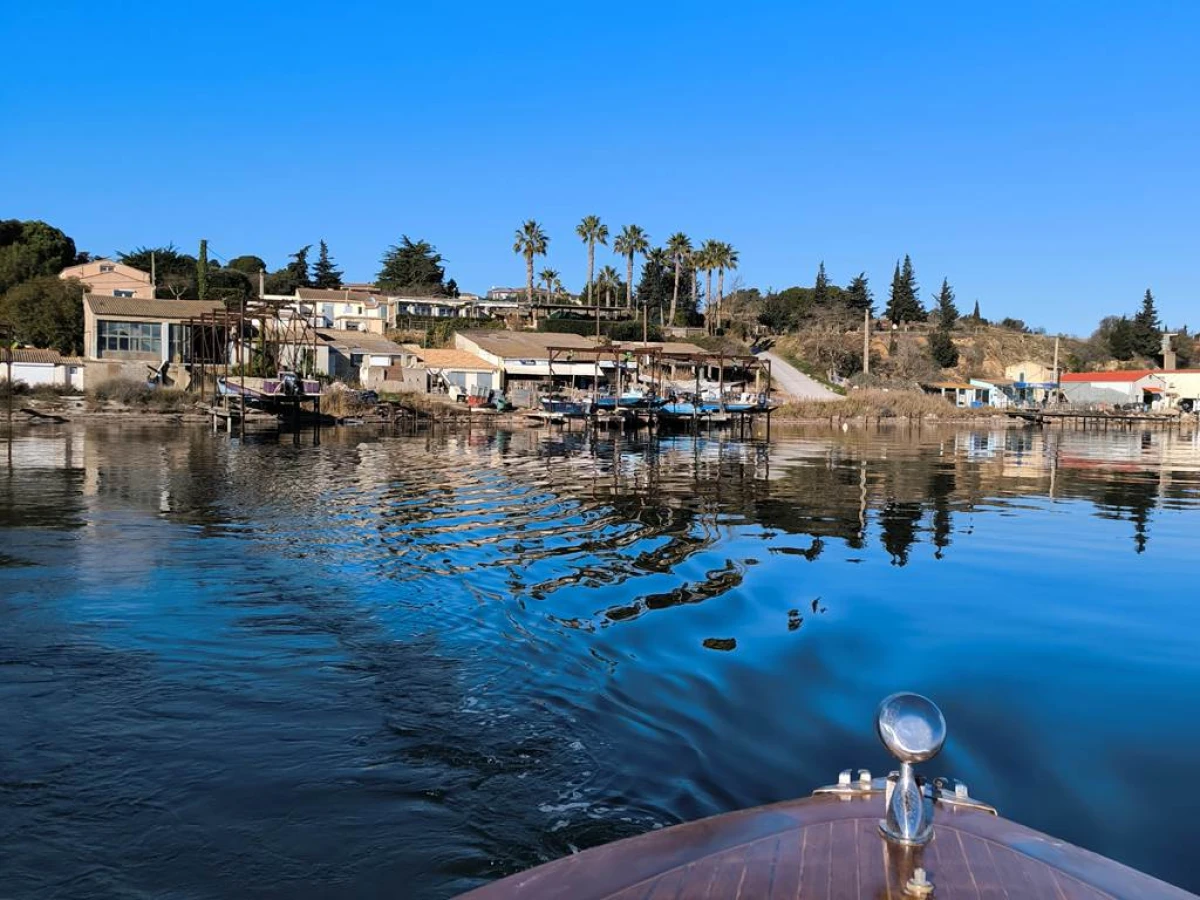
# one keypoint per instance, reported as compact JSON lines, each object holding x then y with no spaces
{"x":1043,"y":156}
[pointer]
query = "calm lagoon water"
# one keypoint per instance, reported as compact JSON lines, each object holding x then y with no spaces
{"x":401,"y":665}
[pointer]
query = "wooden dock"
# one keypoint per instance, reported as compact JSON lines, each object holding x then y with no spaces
{"x":1098,"y":417}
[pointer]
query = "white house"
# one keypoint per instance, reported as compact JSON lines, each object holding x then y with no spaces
{"x":39,"y":367}
{"x":1140,"y":386}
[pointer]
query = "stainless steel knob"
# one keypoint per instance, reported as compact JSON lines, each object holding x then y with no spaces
{"x":913,"y":730}
{"x":911,"y":727}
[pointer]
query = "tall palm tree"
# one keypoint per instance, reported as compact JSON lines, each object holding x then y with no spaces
{"x":705,"y":257}
{"x":631,"y":241}
{"x":679,"y":245}
{"x":726,"y":259}
{"x":692,"y":261}
{"x":592,"y":232}
{"x":549,"y":276}
{"x":530,"y":241}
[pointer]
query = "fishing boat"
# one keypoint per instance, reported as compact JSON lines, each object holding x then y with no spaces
{"x":563,"y":406}
{"x":287,"y":384}
{"x":903,"y":836}
{"x":634,"y":399}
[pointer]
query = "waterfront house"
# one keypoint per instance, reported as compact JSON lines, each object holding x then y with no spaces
{"x":134,"y":337}
{"x":959,"y":393}
{"x":358,"y":356}
{"x":1183,"y":388}
{"x":112,"y":279}
{"x":1031,"y":382}
{"x":1137,"y":386}
{"x":42,"y":367}
{"x":523,"y":357}
{"x":997,"y":392}
{"x":460,"y":368}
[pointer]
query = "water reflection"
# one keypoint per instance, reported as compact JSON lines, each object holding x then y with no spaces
{"x":437,"y":658}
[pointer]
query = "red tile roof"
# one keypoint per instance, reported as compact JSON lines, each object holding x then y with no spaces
{"x":1116,"y":377}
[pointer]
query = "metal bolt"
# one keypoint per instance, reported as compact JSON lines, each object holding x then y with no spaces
{"x":919,"y":885}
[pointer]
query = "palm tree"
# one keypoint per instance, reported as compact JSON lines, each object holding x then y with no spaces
{"x":592,"y":232}
{"x":726,"y":258}
{"x":549,"y":276}
{"x":531,"y":241}
{"x":607,"y":281}
{"x":679,"y":246}
{"x":631,"y":241}
{"x":705,"y":257}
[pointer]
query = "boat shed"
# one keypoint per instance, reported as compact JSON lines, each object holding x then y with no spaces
{"x":524,"y":357}
{"x":1143,"y":387}
{"x":38,"y":367}
{"x":960,"y":393}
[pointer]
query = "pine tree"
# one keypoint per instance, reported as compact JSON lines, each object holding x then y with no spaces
{"x":858,"y":293}
{"x":820,"y":294}
{"x":942,"y":349}
{"x":297,"y":269}
{"x":903,"y":305}
{"x":1121,"y":339}
{"x":324,"y":274}
{"x":947,"y":311}
{"x":1146,"y":329}
{"x":975,"y":315}
{"x":415,"y":267}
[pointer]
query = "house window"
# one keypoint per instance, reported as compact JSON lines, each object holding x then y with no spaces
{"x":107,"y":268}
{"x":122,"y":293}
{"x":129,"y":337}
{"x":179,"y":343}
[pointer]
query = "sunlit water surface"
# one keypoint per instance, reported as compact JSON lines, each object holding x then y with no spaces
{"x":397,"y":665}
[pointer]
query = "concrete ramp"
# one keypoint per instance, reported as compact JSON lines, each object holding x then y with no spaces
{"x":787,"y":379}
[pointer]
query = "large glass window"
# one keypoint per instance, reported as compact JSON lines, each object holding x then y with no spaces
{"x":129,"y":337}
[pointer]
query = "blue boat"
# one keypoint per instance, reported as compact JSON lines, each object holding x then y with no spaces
{"x":561,"y":406}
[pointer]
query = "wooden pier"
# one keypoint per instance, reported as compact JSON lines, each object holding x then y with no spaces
{"x":1097,"y":417}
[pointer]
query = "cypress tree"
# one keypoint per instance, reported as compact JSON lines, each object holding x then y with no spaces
{"x":947,"y":311}
{"x":324,"y":274}
{"x":202,"y":272}
{"x":975,"y":316}
{"x":820,"y":293}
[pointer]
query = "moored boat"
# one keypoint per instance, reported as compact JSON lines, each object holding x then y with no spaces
{"x":903,"y":836}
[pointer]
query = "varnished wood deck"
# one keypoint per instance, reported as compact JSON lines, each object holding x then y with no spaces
{"x":828,"y":847}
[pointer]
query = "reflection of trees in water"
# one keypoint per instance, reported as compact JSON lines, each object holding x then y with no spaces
{"x":941,"y":486}
{"x":1130,"y":499}
{"x":898,"y":528}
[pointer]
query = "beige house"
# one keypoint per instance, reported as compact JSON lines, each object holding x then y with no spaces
{"x":38,"y":367}
{"x":111,"y":279}
{"x":1031,"y":381}
{"x":131,"y":337}
{"x":1182,"y":388}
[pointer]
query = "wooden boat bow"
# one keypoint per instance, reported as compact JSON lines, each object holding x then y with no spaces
{"x":843,"y":842}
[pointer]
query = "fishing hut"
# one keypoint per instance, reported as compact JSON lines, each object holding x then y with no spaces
{"x":664,"y":384}
{"x":255,"y":365}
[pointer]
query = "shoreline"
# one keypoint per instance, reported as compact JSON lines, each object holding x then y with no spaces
{"x":54,"y":414}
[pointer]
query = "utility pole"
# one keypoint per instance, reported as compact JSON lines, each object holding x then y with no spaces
{"x":153,"y":278}
{"x":1057,"y":381}
{"x":867,"y":341}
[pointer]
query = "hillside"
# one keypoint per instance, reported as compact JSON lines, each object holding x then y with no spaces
{"x":984,"y":352}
